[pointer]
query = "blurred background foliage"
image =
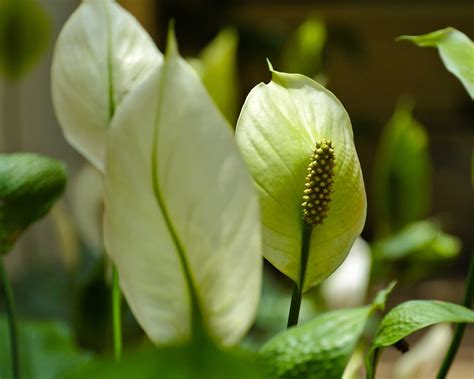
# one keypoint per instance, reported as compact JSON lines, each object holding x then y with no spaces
{"x":412,"y":123}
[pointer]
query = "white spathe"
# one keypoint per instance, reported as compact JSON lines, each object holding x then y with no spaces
{"x":177,"y":189}
{"x":277,"y":131}
{"x":101,"y":54}
{"x":347,"y":286}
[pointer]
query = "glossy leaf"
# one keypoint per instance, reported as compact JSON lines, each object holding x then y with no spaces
{"x":402,"y":172}
{"x":217,"y":67}
{"x":410,"y":317}
{"x":101,"y":54}
{"x":180,"y":210}
{"x":456,"y":50}
{"x":47,"y":351}
{"x":278,"y":128}
{"x":29,"y":186}
{"x":320,"y":348}
{"x":24,"y":36}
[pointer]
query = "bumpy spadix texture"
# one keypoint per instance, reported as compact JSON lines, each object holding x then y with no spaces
{"x":177,"y":191}
{"x":278,"y":129}
{"x":101,"y":55}
{"x":319,"y":183}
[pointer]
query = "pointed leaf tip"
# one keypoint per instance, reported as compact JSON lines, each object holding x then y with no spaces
{"x":171,"y":43}
{"x":270,"y":66}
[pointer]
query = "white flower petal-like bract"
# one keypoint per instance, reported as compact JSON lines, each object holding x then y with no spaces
{"x":102,"y":53}
{"x":181,"y":212}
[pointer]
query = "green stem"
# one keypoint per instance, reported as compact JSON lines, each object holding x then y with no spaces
{"x":116,"y":314}
{"x":11,"y":320}
{"x":297,"y":294}
{"x":459,"y":332}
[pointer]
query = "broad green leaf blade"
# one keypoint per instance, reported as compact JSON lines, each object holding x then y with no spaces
{"x":24,"y":36}
{"x":184,"y":362}
{"x":320,"y":348}
{"x":402,"y":172}
{"x":410,"y":317}
{"x":29,"y":186}
{"x":278,"y":128}
{"x":456,"y":50}
{"x":217,"y":67}
{"x":178,"y":195}
{"x":46,"y":351}
{"x":101,"y":55}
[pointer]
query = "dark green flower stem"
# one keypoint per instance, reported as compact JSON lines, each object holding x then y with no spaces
{"x":11,"y":320}
{"x":460,"y":328}
{"x":297,"y":294}
{"x":116,"y":314}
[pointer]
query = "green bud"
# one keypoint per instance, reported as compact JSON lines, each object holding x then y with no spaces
{"x":29,"y":186}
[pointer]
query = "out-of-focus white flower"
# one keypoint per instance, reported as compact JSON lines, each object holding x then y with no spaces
{"x":423,"y":360}
{"x":347,"y":287}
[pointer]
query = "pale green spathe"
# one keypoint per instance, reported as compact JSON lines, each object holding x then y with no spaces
{"x":178,"y":190}
{"x":101,"y":54}
{"x":277,"y":131}
{"x":456,"y":50}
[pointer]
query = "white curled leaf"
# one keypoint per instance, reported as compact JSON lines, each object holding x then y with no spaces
{"x":277,"y":130}
{"x":102,"y":53}
{"x":178,"y":194}
{"x":347,"y":286}
{"x":456,"y":51}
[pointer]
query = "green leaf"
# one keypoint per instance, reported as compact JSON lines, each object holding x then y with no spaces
{"x":410,"y":317}
{"x":29,"y":186}
{"x":47,"y":351}
{"x":24,"y":36}
{"x":181,"y":212}
{"x":321,"y":348}
{"x":217,"y":67}
{"x":402,"y":172}
{"x":278,"y":128}
{"x":303,"y":51}
{"x":101,"y":55}
{"x":186,"y":362}
{"x":456,"y":51}
{"x":421,"y":240}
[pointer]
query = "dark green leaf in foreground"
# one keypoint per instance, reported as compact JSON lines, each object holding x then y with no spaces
{"x":456,"y":50}
{"x":47,"y":351}
{"x":200,"y":361}
{"x":24,"y":35}
{"x":29,"y":186}
{"x":321,"y":348}
{"x":410,"y":317}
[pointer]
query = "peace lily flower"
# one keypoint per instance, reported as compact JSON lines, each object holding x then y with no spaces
{"x":181,"y":213}
{"x":101,"y":55}
{"x":297,"y":140}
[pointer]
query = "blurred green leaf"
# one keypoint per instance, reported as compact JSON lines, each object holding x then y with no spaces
{"x":422,"y":240}
{"x":303,"y":51}
{"x":199,"y":361}
{"x":320,"y":348}
{"x":409,"y":317}
{"x":456,"y":51}
{"x":24,"y":35}
{"x":402,"y":172}
{"x":217,"y":67}
{"x":29,"y":186}
{"x":46,"y":351}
